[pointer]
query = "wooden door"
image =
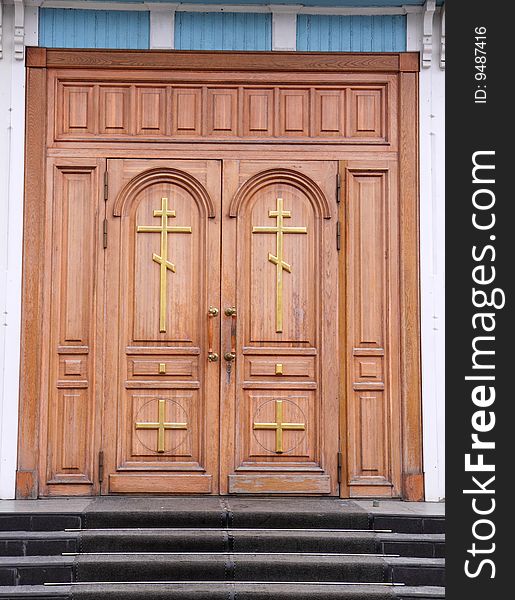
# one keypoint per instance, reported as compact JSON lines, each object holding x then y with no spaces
{"x":161,"y":390}
{"x":279,"y":328}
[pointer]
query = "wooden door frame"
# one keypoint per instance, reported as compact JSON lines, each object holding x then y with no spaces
{"x":405,"y":65}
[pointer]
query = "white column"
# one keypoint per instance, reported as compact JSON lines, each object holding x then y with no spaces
{"x":432,"y":255}
{"x":12,"y":132}
{"x":162,"y":26}
{"x":284,"y":28}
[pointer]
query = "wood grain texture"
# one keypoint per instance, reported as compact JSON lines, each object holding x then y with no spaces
{"x":413,"y":485}
{"x":232,"y":61}
{"x":33,"y":235}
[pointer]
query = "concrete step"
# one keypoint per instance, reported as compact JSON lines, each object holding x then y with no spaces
{"x":222,"y":591}
{"x":23,"y":543}
{"x":293,"y":567}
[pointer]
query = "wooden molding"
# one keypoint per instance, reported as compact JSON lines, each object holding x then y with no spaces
{"x":35,"y":132}
{"x":36,"y":57}
{"x":410,"y":289}
{"x":327,"y":62}
{"x":409,"y":62}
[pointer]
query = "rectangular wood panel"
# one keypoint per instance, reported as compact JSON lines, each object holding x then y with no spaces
{"x":71,"y":295}
{"x":373,"y":329}
{"x":114,"y":109}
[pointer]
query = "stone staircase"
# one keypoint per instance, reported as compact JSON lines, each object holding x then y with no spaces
{"x":219,"y":548}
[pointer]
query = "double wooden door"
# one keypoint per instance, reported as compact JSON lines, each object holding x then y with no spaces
{"x":219,"y":359}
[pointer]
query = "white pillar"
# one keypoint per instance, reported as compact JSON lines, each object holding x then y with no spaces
{"x":162,"y":26}
{"x":432,"y":254}
{"x":12,"y":137}
{"x":284,"y":28}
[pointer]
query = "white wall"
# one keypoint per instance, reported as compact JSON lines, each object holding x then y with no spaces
{"x":12,"y":134}
{"x":432,"y":256}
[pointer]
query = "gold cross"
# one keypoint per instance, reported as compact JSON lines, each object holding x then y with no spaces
{"x":162,"y":260}
{"x":161,"y":426}
{"x":279,"y":426}
{"x":278,"y":261}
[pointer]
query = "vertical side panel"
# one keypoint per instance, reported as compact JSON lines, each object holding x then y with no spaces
{"x":373,"y":403}
{"x":73,"y":290}
{"x":413,"y":484}
{"x":35,"y":130}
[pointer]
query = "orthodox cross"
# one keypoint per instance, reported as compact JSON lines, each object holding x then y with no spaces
{"x":279,"y":426}
{"x":162,"y":260}
{"x":161,"y":426}
{"x":278,"y":260}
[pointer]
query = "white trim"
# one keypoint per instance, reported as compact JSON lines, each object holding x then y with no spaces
{"x":442,"y":38}
{"x":427,"y":40}
{"x":162,"y":26}
{"x":12,"y":136}
{"x":19,"y":29}
{"x":432,"y":261}
{"x":247,"y":8}
{"x":284,"y":31}
{"x":1,"y":26}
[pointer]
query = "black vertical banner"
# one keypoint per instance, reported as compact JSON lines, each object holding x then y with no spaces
{"x":480,"y":268}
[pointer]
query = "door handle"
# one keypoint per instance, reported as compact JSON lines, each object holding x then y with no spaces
{"x":212,"y":356}
{"x":231,"y":312}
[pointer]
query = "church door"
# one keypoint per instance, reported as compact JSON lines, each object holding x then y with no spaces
{"x":220,"y":369}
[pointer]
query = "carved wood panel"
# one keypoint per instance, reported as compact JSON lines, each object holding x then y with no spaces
{"x":72,"y":299}
{"x":343,"y":112}
{"x":373,"y":402}
{"x":161,"y":410}
{"x":279,"y":395}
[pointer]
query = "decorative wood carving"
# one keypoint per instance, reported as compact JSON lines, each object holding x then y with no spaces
{"x":348,"y":114}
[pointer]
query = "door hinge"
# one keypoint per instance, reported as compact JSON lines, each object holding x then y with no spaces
{"x":338,"y":187}
{"x":340,"y":467}
{"x":100,"y":466}
{"x":105,"y":233}
{"x":106,"y":186}
{"x":338,"y":235}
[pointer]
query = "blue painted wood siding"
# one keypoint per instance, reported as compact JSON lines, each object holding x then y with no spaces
{"x":330,"y":33}
{"x":334,"y":3}
{"x":71,"y":28}
{"x":223,"y":31}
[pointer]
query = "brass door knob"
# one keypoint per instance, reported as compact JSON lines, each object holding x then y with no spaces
{"x":229,"y":356}
{"x":230,"y":311}
{"x":212,"y":357}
